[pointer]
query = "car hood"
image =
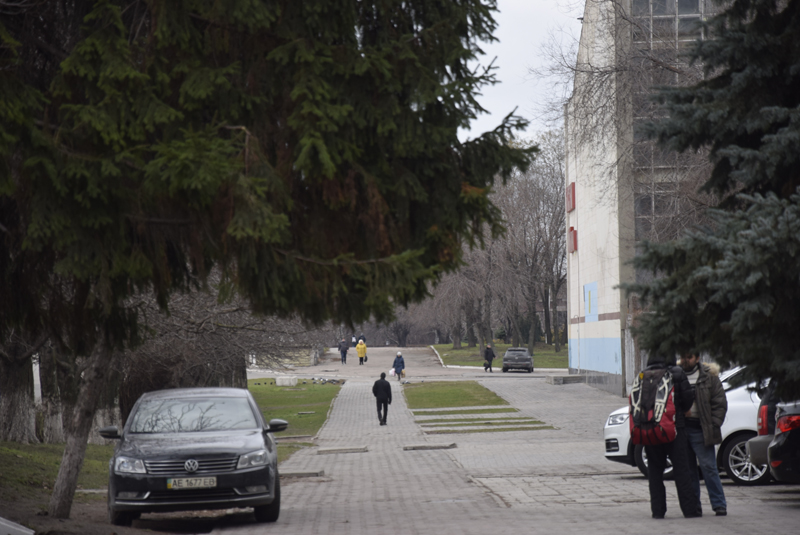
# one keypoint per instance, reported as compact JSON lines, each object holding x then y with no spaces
{"x":621,"y":410}
{"x":195,"y":444}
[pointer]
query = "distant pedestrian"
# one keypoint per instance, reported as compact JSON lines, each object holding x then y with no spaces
{"x":488,"y":357}
{"x":703,"y":422}
{"x":353,"y":341}
{"x":361,"y":349}
{"x":382,"y":391}
{"x":399,"y":365}
{"x":677,"y":450}
{"x":343,"y":347}
{"x":363,"y":338}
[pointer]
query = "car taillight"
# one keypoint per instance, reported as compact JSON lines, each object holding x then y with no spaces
{"x":787,"y":423}
{"x":761,"y":423}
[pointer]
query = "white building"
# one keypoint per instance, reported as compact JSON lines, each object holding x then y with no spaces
{"x":619,"y":188}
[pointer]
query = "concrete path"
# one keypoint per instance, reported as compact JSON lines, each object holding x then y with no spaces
{"x":543,"y":481}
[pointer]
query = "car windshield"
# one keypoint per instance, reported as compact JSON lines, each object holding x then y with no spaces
{"x":192,"y":415}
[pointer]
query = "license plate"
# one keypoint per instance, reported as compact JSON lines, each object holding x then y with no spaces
{"x":191,"y":483}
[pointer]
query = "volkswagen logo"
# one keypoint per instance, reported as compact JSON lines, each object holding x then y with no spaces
{"x":190,"y":465}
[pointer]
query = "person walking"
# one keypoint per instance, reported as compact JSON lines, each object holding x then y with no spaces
{"x":361,"y":349}
{"x":343,"y":347}
{"x":382,"y":391}
{"x":488,"y":357}
{"x":399,"y":365}
{"x":703,"y":422}
{"x":362,"y":338}
{"x":353,"y":341}
{"x":677,"y":450}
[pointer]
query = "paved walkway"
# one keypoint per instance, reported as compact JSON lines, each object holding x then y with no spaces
{"x":538,"y":481}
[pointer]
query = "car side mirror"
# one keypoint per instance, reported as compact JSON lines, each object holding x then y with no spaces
{"x":111,"y":432}
{"x":276,"y":425}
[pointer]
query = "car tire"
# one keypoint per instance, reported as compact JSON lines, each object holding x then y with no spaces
{"x":737,"y":463}
{"x":270,"y":512}
{"x":505,"y":369}
{"x":121,"y":518}
{"x":641,"y":462}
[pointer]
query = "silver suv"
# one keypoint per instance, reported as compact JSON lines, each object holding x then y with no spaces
{"x":517,"y":358}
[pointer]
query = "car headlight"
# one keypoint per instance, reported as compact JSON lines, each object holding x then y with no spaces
{"x":617,"y":419}
{"x":256,"y":458}
{"x":127,"y":465}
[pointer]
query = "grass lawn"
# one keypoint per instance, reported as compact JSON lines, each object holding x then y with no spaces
{"x":285,"y":403}
{"x":493,"y":430}
{"x":544,"y":356}
{"x":464,"y":411}
{"x":484,"y":423}
{"x":445,"y":394}
{"x":29,"y":471}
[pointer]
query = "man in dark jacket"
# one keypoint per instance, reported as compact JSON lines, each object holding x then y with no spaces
{"x":382,"y":391}
{"x":677,"y":451}
{"x":343,"y":347}
{"x":703,"y":422}
{"x":488,"y":357}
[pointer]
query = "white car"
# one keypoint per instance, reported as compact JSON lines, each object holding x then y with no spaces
{"x":739,"y":426}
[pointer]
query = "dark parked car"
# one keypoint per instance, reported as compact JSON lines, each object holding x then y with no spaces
{"x":194,"y":448}
{"x":517,"y":358}
{"x":765,"y":423}
{"x":784,"y":450}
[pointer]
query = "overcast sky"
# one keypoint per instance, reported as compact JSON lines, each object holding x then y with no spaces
{"x":522,"y":26}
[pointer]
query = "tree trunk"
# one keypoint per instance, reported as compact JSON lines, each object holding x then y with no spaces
{"x":17,"y":414}
{"x":470,"y":323}
{"x":554,"y":303}
{"x":487,"y":322}
{"x":532,"y":330}
{"x":516,"y":333}
{"x":455,"y":331}
{"x":52,"y":431}
{"x":77,"y":433}
{"x":546,"y":313}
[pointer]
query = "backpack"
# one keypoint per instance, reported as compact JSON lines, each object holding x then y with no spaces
{"x":652,"y":408}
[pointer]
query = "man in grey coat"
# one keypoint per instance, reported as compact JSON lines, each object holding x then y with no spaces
{"x":703,"y":422}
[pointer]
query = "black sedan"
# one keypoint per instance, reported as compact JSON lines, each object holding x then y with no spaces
{"x":194,"y":448}
{"x":784,"y":450}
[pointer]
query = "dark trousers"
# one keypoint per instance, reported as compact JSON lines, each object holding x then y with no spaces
{"x":382,"y":403}
{"x":657,"y":461}
{"x":361,"y":360}
{"x":344,"y":357}
{"x":487,"y":365}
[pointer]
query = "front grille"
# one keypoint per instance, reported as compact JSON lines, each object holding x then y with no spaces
{"x":612,"y":445}
{"x":205,"y":466}
{"x":198,"y":495}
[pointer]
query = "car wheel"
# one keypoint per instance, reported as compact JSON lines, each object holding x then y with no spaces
{"x":505,"y":369}
{"x":271,"y":512}
{"x":738,"y":466}
{"x":121,"y":518}
{"x":640,"y":457}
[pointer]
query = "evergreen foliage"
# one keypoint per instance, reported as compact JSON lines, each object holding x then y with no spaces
{"x":309,"y":148}
{"x":733,"y":289}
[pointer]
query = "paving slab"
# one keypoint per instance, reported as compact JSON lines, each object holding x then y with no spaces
{"x":553,"y":480}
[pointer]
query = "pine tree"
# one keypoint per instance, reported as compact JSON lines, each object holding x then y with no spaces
{"x":308,"y":149}
{"x":733,"y":289}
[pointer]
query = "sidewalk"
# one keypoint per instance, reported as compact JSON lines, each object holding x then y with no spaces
{"x":540,"y":481}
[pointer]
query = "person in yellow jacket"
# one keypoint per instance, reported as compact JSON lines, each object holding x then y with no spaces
{"x":361,"y":349}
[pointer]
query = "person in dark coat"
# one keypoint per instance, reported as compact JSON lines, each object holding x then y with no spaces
{"x":488,"y":357}
{"x":399,"y":365}
{"x":703,"y":422}
{"x":382,"y":391}
{"x":677,"y":450}
{"x":362,"y":338}
{"x":343,"y":347}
